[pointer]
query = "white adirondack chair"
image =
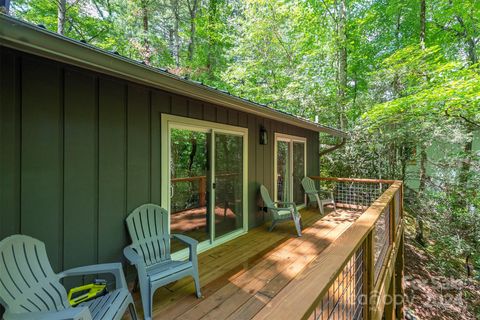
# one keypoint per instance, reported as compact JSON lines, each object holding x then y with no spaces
{"x":281,"y":211}
{"x":150,"y":253}
{"x":322,"y":197}
{"x":29,"y":289}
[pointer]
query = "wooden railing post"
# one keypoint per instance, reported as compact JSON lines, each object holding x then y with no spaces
{"x":202,"y":189}
{"x":389,"y":311}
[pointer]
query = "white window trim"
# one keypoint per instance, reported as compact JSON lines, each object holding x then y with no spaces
{"x":170,"y":121}
{"x":290,"y":139}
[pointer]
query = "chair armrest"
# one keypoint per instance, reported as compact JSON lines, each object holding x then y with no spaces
{"x":286,"y":204}
{"x":185,"y":239}
{"x":113,"y":268}
{"x":78,"y":313}
{"x":324,"y":193}
{"x":192,"y":244}
{"x":133,"y":257}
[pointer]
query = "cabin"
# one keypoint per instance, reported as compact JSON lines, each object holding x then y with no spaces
{"x":87,"y":135}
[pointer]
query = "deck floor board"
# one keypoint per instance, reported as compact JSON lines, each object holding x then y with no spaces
{"x":240,"y":277}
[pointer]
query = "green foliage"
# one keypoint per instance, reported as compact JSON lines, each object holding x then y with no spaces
{"x":432,"y":87}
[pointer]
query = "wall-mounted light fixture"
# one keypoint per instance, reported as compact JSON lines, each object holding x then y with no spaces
{"x":263,"y":136}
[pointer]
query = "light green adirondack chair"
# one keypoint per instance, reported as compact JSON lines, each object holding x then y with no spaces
{"x":320,"y":197}
{"x":281,"y":211}
{"x":150,"y":253}
{"x":29,"y":289}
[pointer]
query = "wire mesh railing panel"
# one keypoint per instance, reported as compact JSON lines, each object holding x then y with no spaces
{"x":358,"y":193}
{"x":344,"y":298}
{"x":382,"y":240}
{"x":398,"y":214}
{"x":188,"y":193}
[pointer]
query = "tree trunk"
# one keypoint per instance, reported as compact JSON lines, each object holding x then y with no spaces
{"x":421,"y":190}
{"x":468,"y":146}
{"x":192,"y":8}
{"x":463,"y":177}
{"x":472,"y":51}
{"x":212,"y":14}
{"x":175,"y":31}
{"x":62,"y":9}
{"x":423,"y":152}
{"x":191,"y":161}
{"x":342,"y":62}
{"x":467,"y":265}
{"x":146,"y":44}
{"x":423,"y":7}
{"x":396,"y":78}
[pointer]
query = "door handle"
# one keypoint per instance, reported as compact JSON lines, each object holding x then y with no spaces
{"x":172,"y":192}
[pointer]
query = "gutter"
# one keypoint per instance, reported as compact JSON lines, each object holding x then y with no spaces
{"x":32,"y":39}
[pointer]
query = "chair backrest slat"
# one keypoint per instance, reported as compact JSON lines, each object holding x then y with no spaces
{"x":148,"y":228}
{"x":309,"y":187}
{"x":266,"y":196}
{"x":27,"y":281}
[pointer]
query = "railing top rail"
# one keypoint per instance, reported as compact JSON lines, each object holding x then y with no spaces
{"x":302,"y":294}
{"x":183,"y":179}
{"x":355,"y":180}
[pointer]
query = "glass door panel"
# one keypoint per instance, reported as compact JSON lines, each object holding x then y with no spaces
{"x":228,"y":179}
{"x":298,"y":170}
{"x":188,"y":183}
{"x":283,"y":171}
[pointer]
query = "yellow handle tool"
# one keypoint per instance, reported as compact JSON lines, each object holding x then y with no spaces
{"x":87,"y":292}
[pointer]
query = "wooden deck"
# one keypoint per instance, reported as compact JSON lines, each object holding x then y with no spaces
{"x":240,"y":277}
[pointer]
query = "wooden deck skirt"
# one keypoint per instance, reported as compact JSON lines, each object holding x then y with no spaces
{"x":268,"y":275}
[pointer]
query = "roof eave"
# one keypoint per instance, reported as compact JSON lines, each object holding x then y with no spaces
{"x":29,"y":38}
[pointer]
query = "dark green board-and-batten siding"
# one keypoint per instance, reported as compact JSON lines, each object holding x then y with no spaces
{"x":79,"y":150}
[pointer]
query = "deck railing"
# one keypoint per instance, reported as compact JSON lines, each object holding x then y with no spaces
{"x":198,"y":186}
{"x":191,"y":192}
{"x":359,"y":275}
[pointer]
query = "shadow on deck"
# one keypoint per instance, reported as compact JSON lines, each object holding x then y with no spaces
{"x":240,"y":277}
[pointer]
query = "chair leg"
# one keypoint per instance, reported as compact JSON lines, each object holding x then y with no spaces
{"x":274,"y":222}
{"x":196,"y":279}
{"x":320,"y":206}
{"x":133,"y":312}
{"x":334,"y":206}
{"x":147,"y":298}
{"x":298,"y":225}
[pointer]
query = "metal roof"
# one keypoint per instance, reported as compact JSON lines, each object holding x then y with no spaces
{"x":36,"y":40}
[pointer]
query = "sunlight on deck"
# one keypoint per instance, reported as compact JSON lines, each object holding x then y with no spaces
{"x":249,"y":271}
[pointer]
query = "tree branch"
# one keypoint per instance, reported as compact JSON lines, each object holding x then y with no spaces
{"x":471,"y":122}
{"x":329,"y":12}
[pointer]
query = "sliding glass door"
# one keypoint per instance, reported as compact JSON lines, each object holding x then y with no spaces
{"x":298,"y":171}
{"x":290,"y":168}
{"x":188,"y":184}
{"x":283,"y":170}
{"x":206,"y":194}
{"x":228,"y":183}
